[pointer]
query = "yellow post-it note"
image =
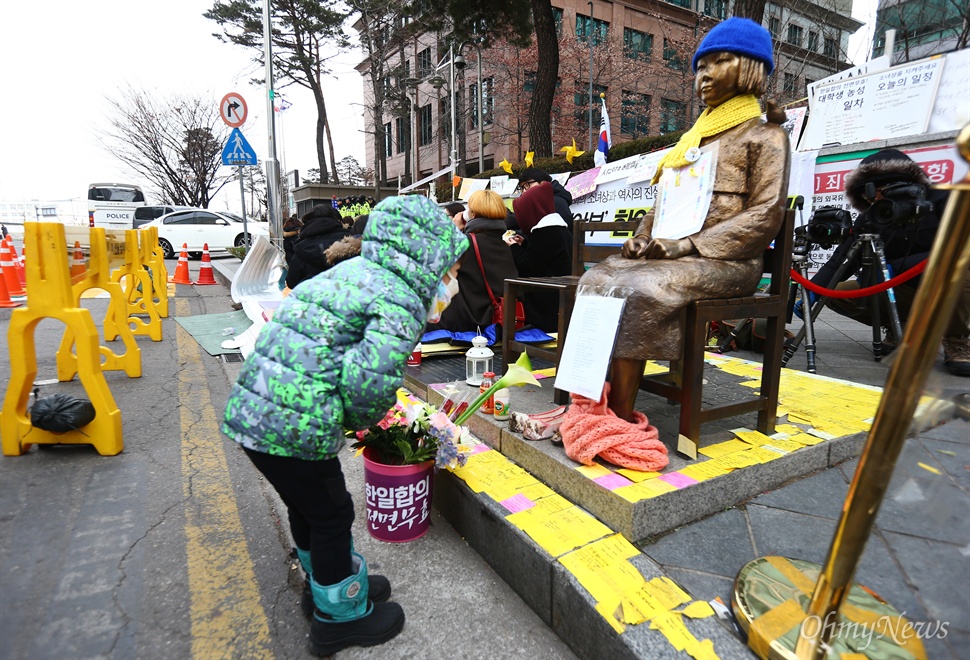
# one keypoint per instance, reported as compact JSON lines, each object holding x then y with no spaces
{"x":644,"y":490}
{"x":805,"y":439}
{"x":609,"y":611}
{"x":929,"y":468}
{"x":737,"y":460}
{"x":787,"y":446}
{"x":699,"y":609}
{"x":755,"y":438}
{"x":723,"y":448}
{"x":704,"y":470}
{"x":667,"y":592}
{"x":673,"y":628}
{"x":636,"y":476}
{"x":789,"y":429}
{"x":763,"y":454}
{"x":703,"y":650}
{"x":593,"y":471}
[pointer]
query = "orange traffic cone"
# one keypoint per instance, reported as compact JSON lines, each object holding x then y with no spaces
{"x":5,"y":300}
{"x":17,"y":262}
{"x":78,"y":267}
{"x":9,"y":272}
{"x":205,"y":270}
{"x":182,"y":269}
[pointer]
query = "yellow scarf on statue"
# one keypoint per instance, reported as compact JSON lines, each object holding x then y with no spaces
{"x":712,"y":121}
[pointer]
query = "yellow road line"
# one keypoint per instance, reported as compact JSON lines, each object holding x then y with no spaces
{"x":227,"y":618}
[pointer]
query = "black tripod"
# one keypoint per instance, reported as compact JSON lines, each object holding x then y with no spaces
{"x":871,"y":247}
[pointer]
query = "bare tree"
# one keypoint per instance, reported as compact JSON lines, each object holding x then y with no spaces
{"x":379,"y":36}
{"x":299,"y":29}
{"x":175,"y":143}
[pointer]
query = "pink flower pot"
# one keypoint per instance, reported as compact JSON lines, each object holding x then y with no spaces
{"x":398,"y":499}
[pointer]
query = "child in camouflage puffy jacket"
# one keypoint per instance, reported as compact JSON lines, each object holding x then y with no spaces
{"x":332,"y":358}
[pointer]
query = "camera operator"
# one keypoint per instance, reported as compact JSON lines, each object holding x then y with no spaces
{"x":894,"y":199}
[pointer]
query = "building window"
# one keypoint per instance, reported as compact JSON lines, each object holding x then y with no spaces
{"x":831,"y":48}
{"x":774,"y":26}
{"x":586,"y":27}
{"x":680,"y":3}
{"x":425,"y":65}
{"x":635,"y":114}
{"x":715,"y":8}
{"x":557,"y":19}
{"x":790,"y":84}
{"x":473,"y":99}
{"x":637,"y":45}
{"x":672,"y":58}
{"x":388,"y":140}
{"x":425,"y":125}
{"x":530,"y":81}
{"x":401,"y":129}
{"x":813,"y":41}
{"x":794,"y":35}
{"x":582,"y":101}
{"x":673,"y":116}
{"x":488,"y":100}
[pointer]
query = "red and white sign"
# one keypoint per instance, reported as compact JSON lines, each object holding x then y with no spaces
{"x":233,"y":110}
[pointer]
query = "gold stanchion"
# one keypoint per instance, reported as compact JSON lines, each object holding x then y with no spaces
{"x":795,"y":609}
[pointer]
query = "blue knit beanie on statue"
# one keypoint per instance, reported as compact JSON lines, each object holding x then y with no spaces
{"x":741,"y":36}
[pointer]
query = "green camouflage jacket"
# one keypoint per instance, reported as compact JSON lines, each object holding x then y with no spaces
{"x":334,"y":353}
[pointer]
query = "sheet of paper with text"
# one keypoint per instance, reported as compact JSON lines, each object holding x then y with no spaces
{"x":589,"y":344}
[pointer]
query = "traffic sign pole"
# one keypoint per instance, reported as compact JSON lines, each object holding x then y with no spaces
{"x":242,"y":198}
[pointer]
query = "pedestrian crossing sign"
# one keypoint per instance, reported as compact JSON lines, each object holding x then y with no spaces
{"x":237,"y":150}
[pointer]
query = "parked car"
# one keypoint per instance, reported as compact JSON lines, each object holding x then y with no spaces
{"x":197,"y":227}
{"x":145,"y":214}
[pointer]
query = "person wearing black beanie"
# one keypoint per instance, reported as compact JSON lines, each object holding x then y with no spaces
{"x":893,"y":177}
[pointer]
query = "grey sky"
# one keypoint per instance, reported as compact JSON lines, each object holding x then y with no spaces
{"x":59,"y":59}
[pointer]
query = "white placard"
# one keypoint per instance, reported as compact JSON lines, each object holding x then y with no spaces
{"x":951,"y":111}
{"x":620,"y":169}
{"x":498,"y":182}
{"x":685,"y":196}
{"x":887,"y":104}
{"x":561,"y":177}
{"x":647,"y":166}
{"x":468,"y":186}
{"x":585,"y":358}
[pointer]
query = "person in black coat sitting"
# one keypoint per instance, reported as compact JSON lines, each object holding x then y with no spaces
{"x":471,"y":308}
{"x":322,"y":227}
{"x":561,"y":197}
{"x":544,"y":249}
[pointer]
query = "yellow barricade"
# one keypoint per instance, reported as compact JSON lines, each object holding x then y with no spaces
{"x":98,"y":276}
{"x":154,"y":258}
{"x":139,"y":285}
{"x":49,"y":295}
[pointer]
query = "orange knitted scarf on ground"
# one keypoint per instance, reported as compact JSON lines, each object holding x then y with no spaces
{"x":591,"y":429}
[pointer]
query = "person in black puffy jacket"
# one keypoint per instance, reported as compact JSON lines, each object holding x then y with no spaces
{"x":322,"y":227}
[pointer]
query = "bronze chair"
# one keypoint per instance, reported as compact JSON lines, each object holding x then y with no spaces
{"x":683,"y":382}
{"x":566,"y":286}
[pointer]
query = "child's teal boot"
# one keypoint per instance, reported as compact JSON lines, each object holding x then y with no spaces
{"x":378,"y":586}
{"x":345,"y":616}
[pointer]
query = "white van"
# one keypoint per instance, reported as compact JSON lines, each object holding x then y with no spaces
{"x":112,"y":205}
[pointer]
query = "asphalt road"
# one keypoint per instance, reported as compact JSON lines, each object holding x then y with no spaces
{"x":175,"y":548}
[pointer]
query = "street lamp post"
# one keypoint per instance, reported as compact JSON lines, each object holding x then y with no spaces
{"x":480,"y":104}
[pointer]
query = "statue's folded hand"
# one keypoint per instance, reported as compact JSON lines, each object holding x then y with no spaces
{"x":667,"y":248}
{"x":636,"y":247}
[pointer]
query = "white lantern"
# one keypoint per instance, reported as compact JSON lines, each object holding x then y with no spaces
{"x":478,"y":360}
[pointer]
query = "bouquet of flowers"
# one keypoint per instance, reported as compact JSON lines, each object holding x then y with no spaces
{"x":414,"y":432}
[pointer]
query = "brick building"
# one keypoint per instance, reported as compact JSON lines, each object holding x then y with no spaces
{"x":641,"y":52}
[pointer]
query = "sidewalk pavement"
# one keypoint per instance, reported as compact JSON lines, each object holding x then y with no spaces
{"x":918,"y":555}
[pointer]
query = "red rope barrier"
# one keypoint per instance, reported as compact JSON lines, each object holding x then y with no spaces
{"x":860,"y":293}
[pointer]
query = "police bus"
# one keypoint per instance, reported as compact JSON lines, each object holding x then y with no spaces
{"x":112,"y":205}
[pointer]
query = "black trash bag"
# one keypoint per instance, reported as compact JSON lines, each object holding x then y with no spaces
{"x":59,"y":413}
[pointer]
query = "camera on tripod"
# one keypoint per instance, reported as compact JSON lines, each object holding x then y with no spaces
{"x":900,"y":203}
{"x":828,"y":226}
